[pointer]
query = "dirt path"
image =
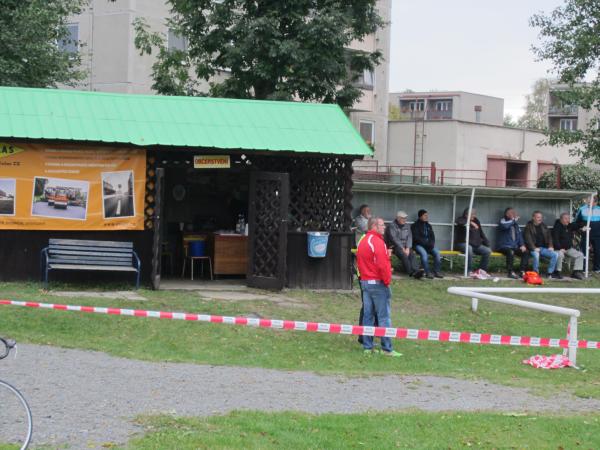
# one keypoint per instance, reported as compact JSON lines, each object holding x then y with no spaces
{"x":86,"y":399}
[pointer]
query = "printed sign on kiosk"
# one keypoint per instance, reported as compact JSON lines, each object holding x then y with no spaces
{"x":212,"y":162}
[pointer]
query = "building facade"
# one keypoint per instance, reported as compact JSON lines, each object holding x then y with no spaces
{"x":565,"y":117}
{"x":106,"y":33}
{"x":461,"y":135}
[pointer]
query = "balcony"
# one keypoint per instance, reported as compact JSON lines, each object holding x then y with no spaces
{"x":411,"y":115}
{"x":558,"y":110}
{"x":439,"y":115}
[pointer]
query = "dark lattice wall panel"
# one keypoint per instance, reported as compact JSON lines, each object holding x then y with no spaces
{"x":320,"y":191}
{"x":266,"y":240}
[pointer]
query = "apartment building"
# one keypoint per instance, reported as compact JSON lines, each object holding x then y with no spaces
{"x":566,"y":117}
{"x":462,"y":135}
{"x":447,"y":106}
{"x":113,"y":64}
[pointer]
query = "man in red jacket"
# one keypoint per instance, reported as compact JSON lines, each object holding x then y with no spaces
{"x":375,"y":271}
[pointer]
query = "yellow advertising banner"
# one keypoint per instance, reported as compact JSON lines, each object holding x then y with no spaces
{"x":68,"y":187}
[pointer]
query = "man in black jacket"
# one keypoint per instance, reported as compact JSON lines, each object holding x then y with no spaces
{"x":398,"y":237}
{"x":478,"y":241}
{"x":424,"y":244}
{"x":562,"y":237}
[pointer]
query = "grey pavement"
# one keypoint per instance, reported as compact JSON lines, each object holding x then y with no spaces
{"x":87,"y":399}
{"x":71,"y":212}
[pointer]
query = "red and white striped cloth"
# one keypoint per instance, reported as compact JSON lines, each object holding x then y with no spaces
{"x":549,"y":362}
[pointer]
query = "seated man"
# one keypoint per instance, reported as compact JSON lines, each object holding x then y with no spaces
{"x":398,"y":237}
{"x":478,"y":241}
{"x":538,"y":240}
{"x":510,"y":242}
{"x":360,"y":222}
{"x":562,"y":238}
{"x":424,"y":244}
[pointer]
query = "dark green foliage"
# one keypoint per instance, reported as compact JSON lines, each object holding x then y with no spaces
{"x":577,"y":177}
{"x":29,"y":31}
{"x":282,"y":50}
{"x":570,"y":40}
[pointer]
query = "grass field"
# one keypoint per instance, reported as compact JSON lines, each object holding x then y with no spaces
{"x":415,"y":305}
{"x":409,"y":430}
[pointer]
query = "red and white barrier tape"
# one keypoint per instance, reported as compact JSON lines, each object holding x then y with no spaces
{"x":333,"y":328}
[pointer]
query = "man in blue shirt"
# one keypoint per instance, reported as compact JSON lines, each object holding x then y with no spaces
{"x":593,"y":213}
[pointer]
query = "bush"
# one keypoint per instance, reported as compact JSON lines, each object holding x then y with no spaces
{"x":576,"y":177}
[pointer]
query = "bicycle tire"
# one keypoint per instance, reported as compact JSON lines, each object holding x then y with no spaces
{"x":15,"y":391}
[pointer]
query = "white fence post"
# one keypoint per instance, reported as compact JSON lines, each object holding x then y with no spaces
{"x":573,"y":340}
{"x":474,"y":304}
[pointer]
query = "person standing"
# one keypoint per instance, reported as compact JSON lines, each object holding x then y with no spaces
{"x":375,"y":276}
{"x":398,"y":237}
{"x":361,"y":222}
{"x":424,"y":244}
{"x":479,"y":244}
{"x":563,"y":234}
{"x":538,"y":240}
{"x":593,"y":213}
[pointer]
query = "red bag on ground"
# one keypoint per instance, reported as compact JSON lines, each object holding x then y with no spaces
{"x":549,"y":362}
{"x":532,"y":278}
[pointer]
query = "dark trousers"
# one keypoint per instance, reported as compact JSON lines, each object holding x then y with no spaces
{"x":510,"y":258}
{"x":595,"y":241}
{"x":408,"y":262}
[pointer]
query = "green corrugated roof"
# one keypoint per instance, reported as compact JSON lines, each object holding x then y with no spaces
{"x":177,"y":121}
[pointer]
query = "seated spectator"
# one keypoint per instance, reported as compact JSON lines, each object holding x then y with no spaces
{"x":510,"y":242}
{"x":424,"y":244}
{"x":398,"y":237}
{"x":361,"y":222}
{"x":563,"y":234}
{"x":538,"y":240}
{"x":478,"y":241}
{"x":593,"y":213}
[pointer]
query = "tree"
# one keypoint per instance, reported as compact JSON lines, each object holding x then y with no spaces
{"x":280,"y":50}
{"x":509,"y":121}
{"x":29,"y":32}
{"x":536,"y":106}
{"x":570,"y":40}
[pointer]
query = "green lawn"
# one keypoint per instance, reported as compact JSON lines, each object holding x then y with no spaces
{"x":410,"y":430}
{"x":416,"y":304}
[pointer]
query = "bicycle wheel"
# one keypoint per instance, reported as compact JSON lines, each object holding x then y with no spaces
{"x":16,"y":423}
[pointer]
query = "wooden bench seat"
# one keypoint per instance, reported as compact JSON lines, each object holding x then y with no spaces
{"x":74,"y":254}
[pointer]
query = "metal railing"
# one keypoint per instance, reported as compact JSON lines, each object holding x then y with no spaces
{"x":373,"y":171}
{"x":568,"y":110}
{"x":481,"y":293}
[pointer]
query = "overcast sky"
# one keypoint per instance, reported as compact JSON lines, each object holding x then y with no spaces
{"x":480,"y":46}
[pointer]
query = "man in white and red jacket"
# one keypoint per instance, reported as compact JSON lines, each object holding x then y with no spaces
{"x":375,"y":270}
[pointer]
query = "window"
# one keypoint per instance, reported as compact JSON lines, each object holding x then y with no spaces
{"x":477,"y":116}
{"x":418,"y":105}
{"x":176,"y":42}
{"x":368,"y":78}
{"x":568,"y":124}
{"x":70,"y":43}
{"x":367,"y":131}
{"x":443,"y":105}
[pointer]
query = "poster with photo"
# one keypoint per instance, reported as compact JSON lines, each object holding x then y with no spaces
{"x":118,"y":194}
{"x":71,"y":187}
{"x":7,"y":196}
{"x":61,"y":198}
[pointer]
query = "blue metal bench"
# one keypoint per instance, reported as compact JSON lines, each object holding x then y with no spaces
{"x":74,"y":254}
